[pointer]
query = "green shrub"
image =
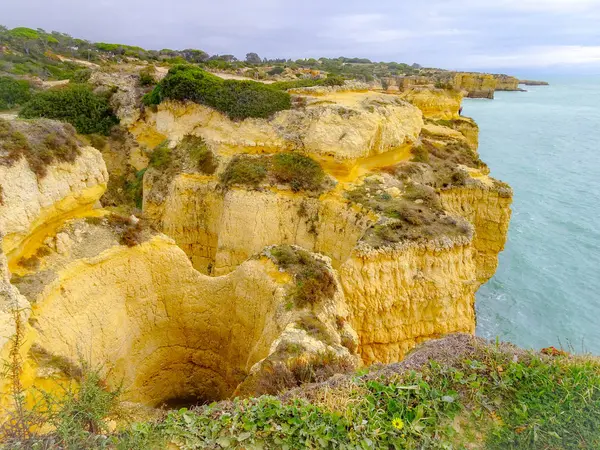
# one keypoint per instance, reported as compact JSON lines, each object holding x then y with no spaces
{"x":237,"y":99}
{"x":244,"y":170}
{"x":314,"y":280}
{"x":147,"y":76}
{"x":76,"y":104}
{"x":13,"y":92}
{"x":161,"y":157}
{"x":201,"y":156}
{"x":299,"y":171}
{"x":333,"y":80}
{"x":81,"y":76}
{"x":276,"y":71}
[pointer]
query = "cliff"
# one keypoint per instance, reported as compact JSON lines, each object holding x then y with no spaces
{"x":271,"y":252}
{"x":476,"y":85}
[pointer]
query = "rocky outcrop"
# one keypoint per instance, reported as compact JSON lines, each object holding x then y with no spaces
{"x":507,"y":83}
{"x":33,"y":205}
{"x":169,"y":334}
{"x":534,"y":83}
{"x":434,"y":103}
{"x":254,"y":277}
{"x":476,"y":85}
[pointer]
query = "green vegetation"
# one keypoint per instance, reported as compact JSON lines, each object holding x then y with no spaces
{"x":245,"y":170}
{"x":308,"y":82}
{"x":237,"y":99}
{"x":416,"y":214}
{"x":489,"y":398}
{"x":314,"y":280}
{"x":13,"y":92}
{"x":41,"y":143}
{"x":161,"y":157}
{"x":147,"y":76}
{"x":202,"y":157}
{"x":299,"y":172}
{"x":76,"y":104}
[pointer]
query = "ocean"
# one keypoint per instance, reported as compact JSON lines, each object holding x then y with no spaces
{"x":546,"y":144}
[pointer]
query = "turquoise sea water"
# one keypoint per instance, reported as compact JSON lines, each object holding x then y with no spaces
{"x":546,"y":144}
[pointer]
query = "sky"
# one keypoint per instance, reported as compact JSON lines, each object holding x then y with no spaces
{"x":527,"y":36}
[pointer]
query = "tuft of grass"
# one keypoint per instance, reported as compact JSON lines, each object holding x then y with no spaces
{"x":299,"y":171}
{"x":200,"y":154}
{"x":313,"y":279}
{"x":279,"y":376}
{"x":46,"y":143}
{"x":161,"y":157}
{"x":245,"y":170}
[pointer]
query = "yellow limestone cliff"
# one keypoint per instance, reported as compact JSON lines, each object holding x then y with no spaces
{"x":220,"y":228}
{"x":389,"y":249}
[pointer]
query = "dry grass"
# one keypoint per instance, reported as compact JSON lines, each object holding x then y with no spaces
{"x":279,"y":376}
{"x":41,"y":142}
{"x":416,"y":215}
{"x":314,"y":280}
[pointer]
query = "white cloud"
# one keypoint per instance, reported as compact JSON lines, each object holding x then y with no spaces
{"x":539,"y":56}
{"x":363,"y":29}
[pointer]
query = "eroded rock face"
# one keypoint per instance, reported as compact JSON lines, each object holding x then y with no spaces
{"x":340,"y":127}
{"x":208,"y":310}
{"x":398,"y":295}
{"x":32,"y":205}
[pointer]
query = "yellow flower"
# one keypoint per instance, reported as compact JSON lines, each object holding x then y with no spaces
{"x":397,"y":423}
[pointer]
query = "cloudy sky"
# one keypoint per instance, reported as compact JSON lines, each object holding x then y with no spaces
{"x":525,"y":35}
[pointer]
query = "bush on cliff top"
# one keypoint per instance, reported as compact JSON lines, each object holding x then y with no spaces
{"x":236,"y":99}
{"x":13,"y":92}
{"x":76,"y":104}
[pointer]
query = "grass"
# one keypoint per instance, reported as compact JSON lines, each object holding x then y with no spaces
{"x":161,"y":157}
{"x":245,"y":170}
{"x":313,"y":280}
{"x":201,"y":156}
{"x":489,"y":398}
{"x":299,"y":172}
{"x":42,"y":143}
{"x":416,"y":215}
{"x":450,"y":396}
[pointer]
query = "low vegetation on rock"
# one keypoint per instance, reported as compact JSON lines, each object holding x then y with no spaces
{"x":314,"y":280}
{"x":76,"y":104}
{"x":299,"y":172}
{"x":236,"y":99}
{"x":455,"y":393}
{"x":413,"y":214}
{"x":41,"y":143}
